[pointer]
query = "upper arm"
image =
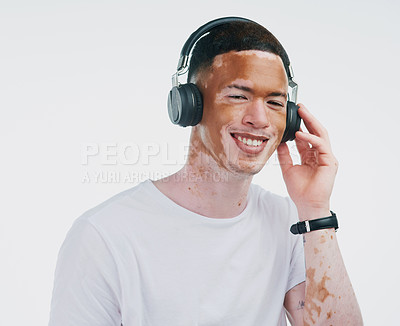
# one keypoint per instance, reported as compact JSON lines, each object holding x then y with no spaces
{"x":294,"y":304}
{"x":85,"y":286}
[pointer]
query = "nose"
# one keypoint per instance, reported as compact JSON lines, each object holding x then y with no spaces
{"x":257,"y":114}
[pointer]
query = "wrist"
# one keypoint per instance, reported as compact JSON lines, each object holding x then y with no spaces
{"x":311,"y":213}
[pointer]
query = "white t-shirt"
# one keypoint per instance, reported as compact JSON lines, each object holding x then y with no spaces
{"x":139,"y":259}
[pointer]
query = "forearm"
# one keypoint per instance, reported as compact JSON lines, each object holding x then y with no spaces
{"x":330,"y":299}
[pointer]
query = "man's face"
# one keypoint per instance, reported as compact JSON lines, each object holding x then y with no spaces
{"x":244,"y":96}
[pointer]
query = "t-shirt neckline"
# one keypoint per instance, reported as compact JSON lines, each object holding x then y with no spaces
{"x":162,"y":199}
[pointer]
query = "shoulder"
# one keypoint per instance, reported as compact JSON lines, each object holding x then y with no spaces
{"x":274,"y":206}
{"x":119,"y":209}
{"x":118,"y":205}
{"x":108,"y":224}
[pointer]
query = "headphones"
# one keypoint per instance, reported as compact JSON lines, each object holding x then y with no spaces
{"x":185,"y":102}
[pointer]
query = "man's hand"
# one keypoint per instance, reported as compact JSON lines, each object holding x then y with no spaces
{"x":310,"y":184}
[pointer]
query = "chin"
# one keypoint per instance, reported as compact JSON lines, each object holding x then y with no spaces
{"x":246,"y":168}
{"x":239,"y":162}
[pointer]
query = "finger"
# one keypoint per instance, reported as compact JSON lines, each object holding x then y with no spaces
{"x":316,"y":142}
{"x":302,"y":146}
{"x":311,"y":123}
{"x":320,"y":153}
{"x":320,"y":149}
{"x":285,"y":160}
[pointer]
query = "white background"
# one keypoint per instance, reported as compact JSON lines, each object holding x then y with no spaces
{"x":74,"y":73}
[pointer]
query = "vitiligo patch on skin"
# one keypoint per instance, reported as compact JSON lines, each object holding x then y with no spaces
{"x":218,"y":60}
{"x":316,"y":290}
{"x":260,"y":54}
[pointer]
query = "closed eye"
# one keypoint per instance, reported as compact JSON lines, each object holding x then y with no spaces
{"x":238,"y":97}
{"x":276,"y":103}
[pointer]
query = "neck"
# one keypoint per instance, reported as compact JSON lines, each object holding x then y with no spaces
{"x":205,"y":188}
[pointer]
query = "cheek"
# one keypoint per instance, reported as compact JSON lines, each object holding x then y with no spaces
{"x":216,"y":115}
{"x":216,"y":118}
{"x":279,"y":121}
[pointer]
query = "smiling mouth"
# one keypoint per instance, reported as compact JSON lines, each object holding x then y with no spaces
{"x":250,"y":140}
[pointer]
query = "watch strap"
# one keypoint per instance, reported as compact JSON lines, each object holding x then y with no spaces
{"x":317,"y":224}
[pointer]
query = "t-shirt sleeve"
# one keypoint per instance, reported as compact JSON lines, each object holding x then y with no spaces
{"x":86,"y":286}
{"x":297,"y":273}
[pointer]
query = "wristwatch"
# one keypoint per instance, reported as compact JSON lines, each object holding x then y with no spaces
{"x":317,"y":224}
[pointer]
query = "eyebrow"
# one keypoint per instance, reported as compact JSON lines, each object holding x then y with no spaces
{"x":278,"y":94}
{"x":250,"y":90}
{"x":241,"y":87}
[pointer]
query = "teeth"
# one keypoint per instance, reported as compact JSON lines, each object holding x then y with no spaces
{"x":250,"y":142}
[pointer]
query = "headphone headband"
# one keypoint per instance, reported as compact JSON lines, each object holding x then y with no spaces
{"x":197,"y":34}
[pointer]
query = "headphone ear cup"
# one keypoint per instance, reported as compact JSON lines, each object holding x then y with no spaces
{"x":197,"y":98}
{"x":185,"y":105}
{"x":174,"y":105}
{"x":293,"y":121}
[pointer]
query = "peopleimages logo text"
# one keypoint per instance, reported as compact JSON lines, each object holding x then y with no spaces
{"x":144,"y":154}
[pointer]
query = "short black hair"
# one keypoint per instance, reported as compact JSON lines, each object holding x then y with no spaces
{"x":234,"y":36}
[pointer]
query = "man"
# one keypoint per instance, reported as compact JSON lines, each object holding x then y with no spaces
{"x":196,"y":249}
